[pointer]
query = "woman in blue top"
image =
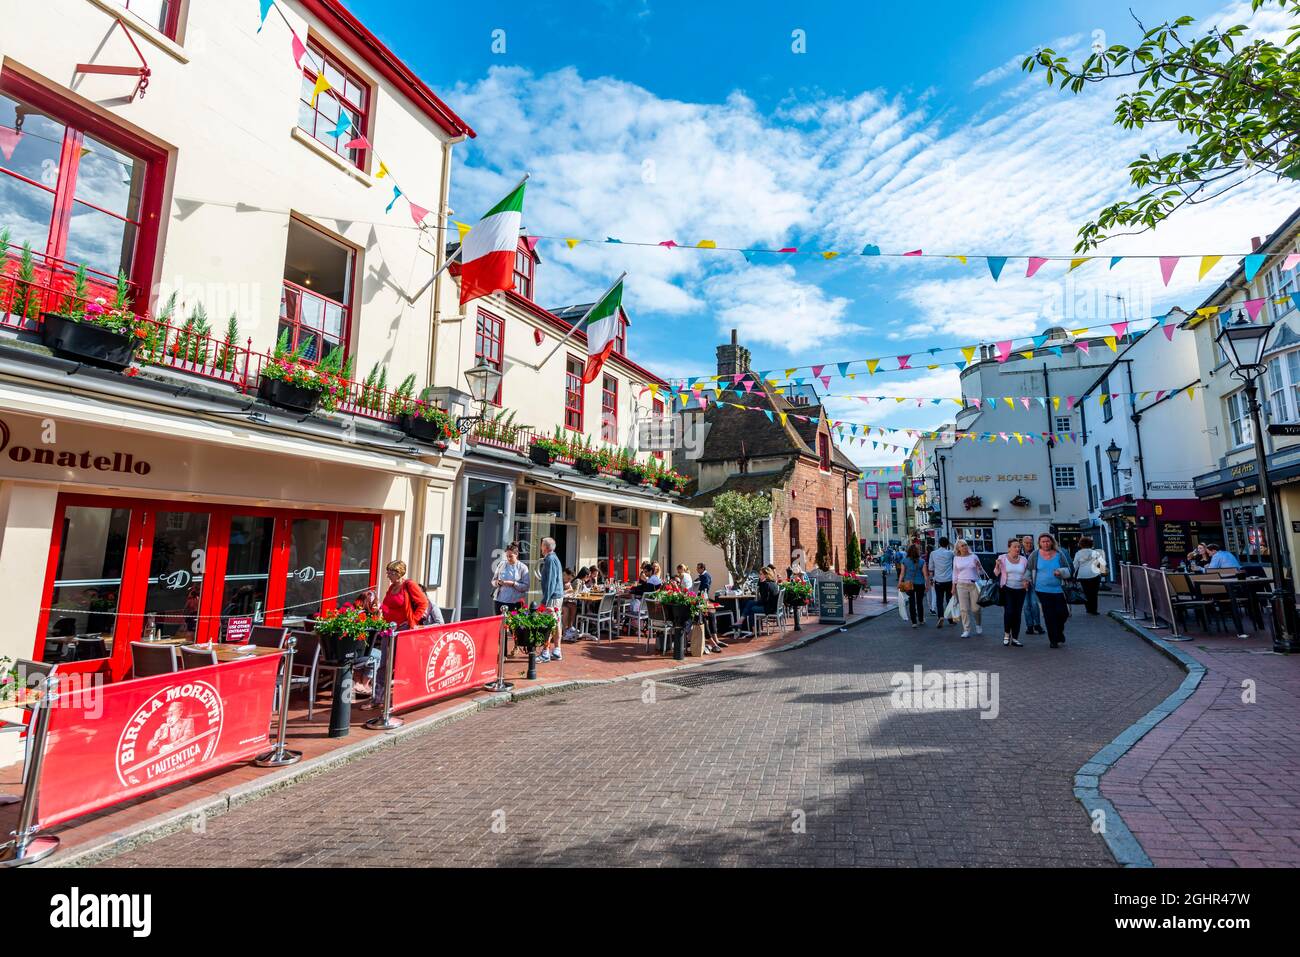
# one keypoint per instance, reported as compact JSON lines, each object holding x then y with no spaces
{"x":1047,"y":568}
{"x":911,"y":581}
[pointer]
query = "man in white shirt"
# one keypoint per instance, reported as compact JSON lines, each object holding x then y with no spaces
{"x":1221,"y":559}
{"x":941,"y":574}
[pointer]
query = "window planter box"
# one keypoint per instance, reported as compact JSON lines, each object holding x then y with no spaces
{"x":586,"y":466}
{"x":631,"y":477}
{"x":288,"y":396}
{"x":87,"y":342}
{"x":423,"y":430}
{"x":667,"y":485}
{"x":540,"y":456}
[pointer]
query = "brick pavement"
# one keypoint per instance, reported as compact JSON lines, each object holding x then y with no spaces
{"x":723,"y":774}
{"x":1215,"y":783}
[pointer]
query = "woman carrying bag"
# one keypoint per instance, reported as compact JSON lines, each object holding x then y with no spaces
{"x":1089,"y":568}
{"x":966,"y":574}
{"x":911,"y":582}
{"x":1012,"y":571}
{"x":1048,"y":570}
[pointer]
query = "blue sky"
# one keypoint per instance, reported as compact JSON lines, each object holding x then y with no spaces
{"x":905,"y":126}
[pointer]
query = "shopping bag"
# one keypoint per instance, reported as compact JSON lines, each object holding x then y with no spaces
{"x":952,"y":610}
{"x":902,"y":608}
{"x":1073,"y":591}
{"x":990,"y":593}
{"x":696,"y":648}
{"x":930,"y":600}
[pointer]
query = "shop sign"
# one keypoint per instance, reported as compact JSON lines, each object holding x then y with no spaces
{"x":239,"y":630}
{"x":1025,"y":477}
{"x":1170,"y":486}
{"x":443,"y":660}
{"x":55,"y":457}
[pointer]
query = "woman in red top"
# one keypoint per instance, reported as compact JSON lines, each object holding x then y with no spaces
{"x":405,"y":604}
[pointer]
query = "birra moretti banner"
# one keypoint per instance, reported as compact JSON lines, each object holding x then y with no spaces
{"x":443,"y":660}
{"x":487,"y":255}
{"x":111,"y":742}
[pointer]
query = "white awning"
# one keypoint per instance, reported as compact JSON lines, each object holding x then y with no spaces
{"x":585,"y":493}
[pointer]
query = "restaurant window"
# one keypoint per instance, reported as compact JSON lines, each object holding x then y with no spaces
{"x":248,"y":570}
{"x":176,"y":574}
{"x":348,"y":97}
{"x":489,"y":344}
{"x":88,"y":575}
{"x":609,"y":409}
{"x":978,"y":537}
{"x":305,"y":578}
{"x":356,"y":559}
{"x":525,"y":270}
{"x":573,"y":394}
{"x":1062,"y":423}
{"x":315,"y":312}
{"x":162,"y":15}
{"x":824,"y":451}
{"x":1238,"y":419}
{"x":75,"y":194}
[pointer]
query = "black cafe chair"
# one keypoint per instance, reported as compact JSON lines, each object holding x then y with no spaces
{"x":90,"y":649}
{"x":197,"y":657}
{"x":264,"y":636}
{"x":151,"y":658}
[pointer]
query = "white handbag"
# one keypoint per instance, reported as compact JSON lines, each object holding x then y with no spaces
{"x":902,"y":606}
{"x":952,"y":611}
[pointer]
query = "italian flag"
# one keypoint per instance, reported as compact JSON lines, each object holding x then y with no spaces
{"x":601,"y":325}
{"x":487,"y":253}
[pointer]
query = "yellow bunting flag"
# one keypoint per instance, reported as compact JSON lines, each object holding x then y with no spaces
{"x":969,"y":353}
{"x":572,"y":242}
{"x":462,"y":229}
{"x":1010,"y":401}
{"x":1078,"y":332}
{"x":1208,"y":263}
{"x":783,"y":417}
{"x":1101,"y":399}
{"x":1110,"y":341}
{"x":900,"y":399}
{"x":1020,"y":439}
{"x":959,"y":402}
{"x":1056,"y":402}
{"x":829,"y":255}
{"x":1027,"y":355}
{"x":383,"y":171}
{"x":871,"y":366}
{"x":654,"y":388}
{"x":790,"y":372}
{"x":1191,"y":392}
{"x":960,"y":259}
{"x":706,"y":244}
{"x":1076,"y":263}
{"x":321,"y":86}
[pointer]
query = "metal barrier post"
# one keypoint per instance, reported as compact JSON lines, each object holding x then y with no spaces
{"x":501,"y":684}
{"x":1126,"y":587}
{"x":386,"y":721}
{"x":280,"y":756}
{"x":26,"y":846}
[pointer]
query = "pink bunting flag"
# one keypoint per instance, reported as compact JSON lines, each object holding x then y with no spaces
{"x":359,"y":143}
{"x":299,"y":51}
{"x":1024,"y":401}
{"x":1253,"y":306}
{"x":531,"y":243}
{"x":1291,"y":261}
{"x":902,"y":362}
{"x":788,"y":249}
{"x":1070,"y":400}
{"x":668,"y":243}
{"x":1082,"y":346}
{"x":1119,"y":327}
{"x":817,"y":371}
{"x":1167,"y":264}
{"x":9,"y":140}
{"x":748,"y":384}
{"x":914,"y":252}
{"x":826,"y":382}
{"x":418,"y":213}
{"x":1004,"y":350}
{"x":1169,"y":332}
{"x":1160,"y":395}
{"x":1035,"y":263}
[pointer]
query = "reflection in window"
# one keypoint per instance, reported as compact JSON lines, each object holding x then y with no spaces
{"x":248,"y":568}
{"x":88,"y":581}
{"x":356,"y":574}
{"x":180,"y":542}
{"x":306,"y":577}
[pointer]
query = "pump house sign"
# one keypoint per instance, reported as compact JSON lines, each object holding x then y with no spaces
{"x":54,"y":455}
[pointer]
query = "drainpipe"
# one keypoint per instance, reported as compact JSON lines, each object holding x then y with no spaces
{"x":1137,"y":431}
{"x":440,"y":254}
{"x":1051,"y":472}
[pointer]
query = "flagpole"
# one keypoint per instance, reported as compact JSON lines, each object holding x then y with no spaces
{"x":574,"y":328}
{"x":460,"y":248}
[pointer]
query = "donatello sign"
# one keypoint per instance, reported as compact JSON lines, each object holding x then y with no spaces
{"x":52,"y":455}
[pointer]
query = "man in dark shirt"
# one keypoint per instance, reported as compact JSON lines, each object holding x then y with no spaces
{"x":703,"y":580}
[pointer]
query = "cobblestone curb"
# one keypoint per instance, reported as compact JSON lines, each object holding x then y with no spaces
{"x":1123,"y":844}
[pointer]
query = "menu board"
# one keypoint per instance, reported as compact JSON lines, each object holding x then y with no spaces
{"x":830,"y":604}
{"x":1175,"y":539}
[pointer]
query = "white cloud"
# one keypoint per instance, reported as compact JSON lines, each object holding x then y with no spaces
{"x":767,"y":305}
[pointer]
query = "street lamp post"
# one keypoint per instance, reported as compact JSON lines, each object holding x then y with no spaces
{"x":1244,"y":342}
{"x":483,"y":381}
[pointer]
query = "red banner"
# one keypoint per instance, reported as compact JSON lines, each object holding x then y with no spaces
{"x":111,"y":742}
{"x":443,"y":660}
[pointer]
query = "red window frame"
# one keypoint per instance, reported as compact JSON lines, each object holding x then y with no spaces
{"x":824,"y":524}
{"x":171,"y":16}
{"x":658,"y":414}
{"x":79,"y":123}
{"x":609,"y":408}
{"x":138,"y":559}
{"x":824,"y":451}
{"x":794,"y":534}
{"x":321,"y":125}
{"x":490,"y":345}
{"x":525,"y":273}
{"x":573,"y":393}
{"x":292,"y":297}
{"x":620,"y":337}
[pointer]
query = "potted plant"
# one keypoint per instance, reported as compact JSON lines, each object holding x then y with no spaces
{"x":796,"y":594}
{"x":96,"y":332}
{"x":671,"y":481}
{"x":631,"y":471}
{"x":1020,"y":501}
{"x":972,"y":502}
{"x":290,"y":382}
{"x":427,"y":422}
{"x":532,"y":628}
{"x":682,"y":608}
{"x":546,"y":449}
{"x":852,"y":585}
{"x":345,"y":633}
{"x":589,"y":461}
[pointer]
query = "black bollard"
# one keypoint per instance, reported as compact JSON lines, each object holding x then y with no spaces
{"x":341,"y":708}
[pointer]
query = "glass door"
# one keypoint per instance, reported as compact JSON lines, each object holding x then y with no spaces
{"x":87,"y":581}
{"x":248,"y":575}
{"x":305,"y":579}
{"x":178,"y":558}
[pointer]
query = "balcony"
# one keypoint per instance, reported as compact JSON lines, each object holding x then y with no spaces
{"x":30,"y":289}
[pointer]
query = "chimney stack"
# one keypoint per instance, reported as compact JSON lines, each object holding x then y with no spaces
{"x":1255,"y":243}
{"x":733,"y":359}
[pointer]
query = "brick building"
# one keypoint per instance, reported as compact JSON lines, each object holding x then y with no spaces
{"x":789,"y":453}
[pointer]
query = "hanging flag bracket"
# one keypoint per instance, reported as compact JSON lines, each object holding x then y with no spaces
{"x":142,"y":72}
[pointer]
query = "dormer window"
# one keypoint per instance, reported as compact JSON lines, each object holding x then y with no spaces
{"x":620,"y":340}
{"x":525,"y":270}
{"x":824,"y":450}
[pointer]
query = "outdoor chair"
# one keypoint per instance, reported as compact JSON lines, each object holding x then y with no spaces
{"x":197,"y":657}
{"x":602,"y":616}
{"x":307,"y":667}
{"x":264,"y":636}
{"x":150,"y":659}
{"x":659,"y":625}
{"x":40,"y":670}
{"x":89,"y":649}
{"x":1184,"y":599}
{"x":1223,"y":600}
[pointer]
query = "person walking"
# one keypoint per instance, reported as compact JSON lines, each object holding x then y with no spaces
{"x":1089,"y":567}
{"x":940,"y":567}
{"x":912,"y":576}
{"x":551,"y":573}
{"x":1012,"y":570}
{"x":1033,"y":614}
{"x":966,"y":572}
{"x":1048,"y":568}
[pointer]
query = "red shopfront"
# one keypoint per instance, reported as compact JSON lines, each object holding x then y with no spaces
{"x":122,"y":568}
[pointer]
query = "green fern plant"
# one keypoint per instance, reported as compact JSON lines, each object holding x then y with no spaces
{"x":226,"y":356}
{"x":74,"y":301}
{"x":26,"y":302}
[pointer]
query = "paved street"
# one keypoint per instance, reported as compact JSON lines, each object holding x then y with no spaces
{"x":798,"y":759}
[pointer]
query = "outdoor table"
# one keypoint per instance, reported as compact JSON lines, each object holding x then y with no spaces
{"x":227,"y":652}
{"x":735,"y":602}
{"x":1233,"y":589}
